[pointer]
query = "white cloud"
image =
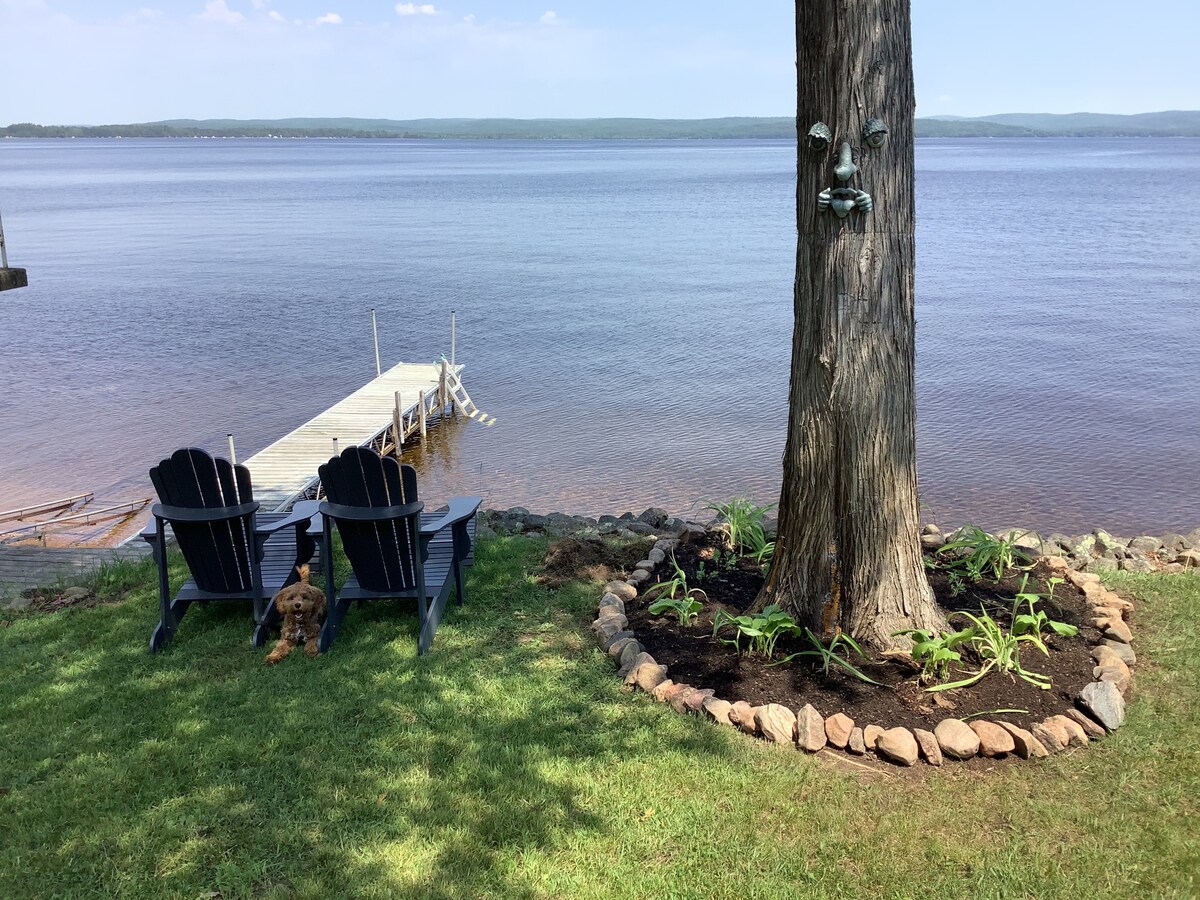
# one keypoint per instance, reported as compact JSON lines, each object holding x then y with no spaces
{"x":469,"y":18}
{"x":329,"y":19}
{"x":217,"y":11}
{"x":413,"y":9}
{"x":276,"y":16}
{"x":549,"y":17}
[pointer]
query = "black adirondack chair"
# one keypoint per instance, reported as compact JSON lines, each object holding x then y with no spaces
{"x":210,"y":507}
{"x":393,"y":553}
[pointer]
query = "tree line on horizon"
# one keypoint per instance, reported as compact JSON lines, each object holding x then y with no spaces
{"x":1161,"y":124}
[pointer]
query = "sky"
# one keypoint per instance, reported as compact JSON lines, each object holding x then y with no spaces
{"x":94,"y":62}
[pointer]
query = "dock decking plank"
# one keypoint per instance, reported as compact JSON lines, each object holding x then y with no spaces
{"x":282,"y":471}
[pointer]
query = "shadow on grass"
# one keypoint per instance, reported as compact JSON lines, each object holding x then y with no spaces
{"x":367,"y":771}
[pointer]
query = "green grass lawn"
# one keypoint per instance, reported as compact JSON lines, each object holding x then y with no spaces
{"x":508,"y":763}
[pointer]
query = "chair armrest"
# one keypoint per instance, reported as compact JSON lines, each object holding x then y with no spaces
{"x":462,"y":509}
{"x":150,"y":532}
{"x":302,"y":514}
{"x":370,"y":513}
{"x":213,"y":514}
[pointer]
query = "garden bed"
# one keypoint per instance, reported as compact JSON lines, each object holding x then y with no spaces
{"x":694,"y":656}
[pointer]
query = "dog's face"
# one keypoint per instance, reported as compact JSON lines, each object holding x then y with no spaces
{"x":300,"y":600}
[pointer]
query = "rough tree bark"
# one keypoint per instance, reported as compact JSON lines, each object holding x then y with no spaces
{"x":848,"y":550}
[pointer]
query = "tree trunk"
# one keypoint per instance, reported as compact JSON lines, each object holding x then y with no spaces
{"x":848,"y":550}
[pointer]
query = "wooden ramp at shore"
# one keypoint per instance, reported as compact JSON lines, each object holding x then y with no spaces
{"x":395,"y":406}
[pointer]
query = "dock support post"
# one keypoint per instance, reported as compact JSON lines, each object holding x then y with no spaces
{"x":452,"y":337}
{"x":443,"y":387}
{"x":375,"y":334}
{"x":232,"y":455}
{"x":398,"y":425}
{"x":421,"y":406}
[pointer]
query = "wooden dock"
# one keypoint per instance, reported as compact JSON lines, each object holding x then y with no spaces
{"x":385,"y":413}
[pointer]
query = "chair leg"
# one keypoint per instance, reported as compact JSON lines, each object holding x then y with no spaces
{"x":168,"y":621}
{"x":159,"y":637}
{"x":262,"y":634}
{"x":333,"y":621}
{"x":267,"y":622}
{"x":165,"y":629}
{"x":462,"y":546}
{"x":458,"y":582}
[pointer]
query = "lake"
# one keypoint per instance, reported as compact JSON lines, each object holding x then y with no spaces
{"x":624,"y":311}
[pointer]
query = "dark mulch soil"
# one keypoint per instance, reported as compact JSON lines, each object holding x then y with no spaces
{"x":572,"y":559}
{"x":49,"y":600}
{"x":693,"y":656}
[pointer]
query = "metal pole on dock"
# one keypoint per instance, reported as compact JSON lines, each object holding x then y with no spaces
{"x":232,"y":454}
{"x":375,"y":334}
{"x":451,"y":337}
{"x":335,"y":447}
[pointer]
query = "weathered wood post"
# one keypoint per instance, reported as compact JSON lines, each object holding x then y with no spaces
{"x":443,"y":387}
{"x":398,"y":425}
{"x":421,"y":406}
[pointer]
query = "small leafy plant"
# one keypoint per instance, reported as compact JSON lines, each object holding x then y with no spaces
{"x":977,"y":553}
{"x":830,"y":655}
{"x":999,"y":650}
{"x":761,"y":630}
{"x":935,"y":652}
{"x":955,"y":584}
{"x":1031,"y":623}
{"x":686,"y":608}
{"x":676,"y":588}
{"x":758,"y":548}
{"x":739,"y":517}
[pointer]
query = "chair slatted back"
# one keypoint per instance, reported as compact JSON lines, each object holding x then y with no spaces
{"x":217,"y":553}
{"x":382,"y":554}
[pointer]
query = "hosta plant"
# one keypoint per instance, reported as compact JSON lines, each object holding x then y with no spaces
{"x":761,"y":631}
{"x":935,"y":652}
{"x":686,"y":609}
{"x":1031,"y":623}
{"x":999,"y":650}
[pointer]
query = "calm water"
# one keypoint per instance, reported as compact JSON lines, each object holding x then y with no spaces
{"x":624,"y":310}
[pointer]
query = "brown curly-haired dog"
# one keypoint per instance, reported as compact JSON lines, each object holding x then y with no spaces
{"x":303,"y":609}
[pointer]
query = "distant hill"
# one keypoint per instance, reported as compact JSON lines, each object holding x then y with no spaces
{"x":526,"y":129}
{"x":1179,"y":123}
{"x":1173,"y":123}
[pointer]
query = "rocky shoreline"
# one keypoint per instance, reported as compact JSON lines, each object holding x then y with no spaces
{"x":1097,"y":551}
